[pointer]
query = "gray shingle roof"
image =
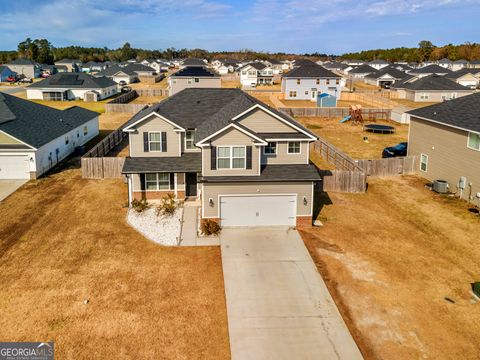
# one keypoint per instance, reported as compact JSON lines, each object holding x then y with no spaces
{"x":193,"y":62}
{"x":431,"y":69}
{"x":195,"y":71}
{"x":395,"y":73}
{"x":284,"y":172}
{"x":430,"y":82}
{"x":461,"y":72}
{"x":37,"y":125}
{"x":363,"y":69}
{"x":74,"y":81}
{"x":463,"y":112}
{"x":310,"y":71}
{"x":21,"y":62}
{"x":130,"y":69}
{"x":188,"y":162}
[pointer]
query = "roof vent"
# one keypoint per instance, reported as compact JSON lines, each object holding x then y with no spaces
{"x":198,"y":101}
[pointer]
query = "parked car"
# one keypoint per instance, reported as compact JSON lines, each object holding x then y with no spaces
{"x":126,"y":89}
{"x":11,"y":79}
{"x":25,"y":81}
{"x":122,"y":83}
{"x":394,"y":151}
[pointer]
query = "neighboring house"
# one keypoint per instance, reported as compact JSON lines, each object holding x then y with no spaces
{"x":5,"y":73}
{"x":308,"y":81}
{"x":467,"y":77}
{"x":433,"y":88}
{"x":246,"y":162}
{"x":378,"y":64}
{"x":428,"y":70}
{"x":386,"y":76}
{"x":224,"y":66}
{"x":446,"y":139}
{"x":128,"y":73}
{"x":193,"y":77}
{"x":362,"y":71}
{"x":25,"y":67}
{"x":93,"y":67}
{"x":61,"y":68}
{"x":72,"y":65}
{"x":193,"y":62}
{"x":34,"y":137}
{"x":336,"y":66}
{"x":154,"y":64}
{"x":72,"y":86}
{"x":275,"y":65}
{"x":459,"y":65}
{"x":354,"y":63}
{"x":47,"y":70}
{"x":474,"y":64}
{"x":255,"y":73}
{"x":445,"y":63}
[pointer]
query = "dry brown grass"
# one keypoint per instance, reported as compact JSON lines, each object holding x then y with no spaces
{"x":390,"y":257}
{"x":231,"y":84}
{"x":360,"y":85}
{"x":64,"y":239}
{"x":413,"y":104}
{"x":264,"y":97}
{"x":349,"y":137}
{"x":163,"y":84}
{"x":147,"y":99}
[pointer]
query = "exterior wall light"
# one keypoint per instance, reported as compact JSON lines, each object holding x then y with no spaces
{"x":305,"y":202}
{"x":210,"y":202}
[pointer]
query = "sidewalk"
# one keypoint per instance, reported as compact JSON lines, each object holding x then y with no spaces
{"x":189,"y":229}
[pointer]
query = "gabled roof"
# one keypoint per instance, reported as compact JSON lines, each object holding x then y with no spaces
{"x":256,"y":65}
{"x":68,"y":61}
{"x":334,"y":65}
{"x":193,"y":62}
{"x":430,"y":83}
{"x":363,"y":69}
{"x":21,"y":61}
{"x":461,"y":61}
{"x":445,"y":61}
{"x":379,"y":62}
{"x":310,"y":71}
{"x":388,"y":70}
{"x":195,"y":71}
{"x":431,"y":69}
{"x":462,"y":113}
{"x":3,"y":68}
{"x":208,"y":110}
{"x":73,"y":81}
{"x":37,"y":125}
{"x":459,"y":73}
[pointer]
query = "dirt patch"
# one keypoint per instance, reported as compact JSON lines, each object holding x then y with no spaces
{"x":390,"y":257}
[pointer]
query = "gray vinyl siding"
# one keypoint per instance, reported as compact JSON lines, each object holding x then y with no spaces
{"x":449,"y":158}
{"x":180,"y":83}
{"x":231,"y":137}
{"x":154,"y":123}
{"x":433,"y":96}
{"x":261,"y":122}
{"x":302,"y":189}
{"x":283,"y":157}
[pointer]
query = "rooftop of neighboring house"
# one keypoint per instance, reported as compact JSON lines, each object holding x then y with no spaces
{"x":362,"y":69}
{"x":429,"y":83}
{"x":256,"y":65}
{"x":462,"y":113}
{"x":209,"y":110}
{"x":129,"y":69}
{"x":335,"y":65}
{"x":459,"y":73}
{"x":68,"y":61}
{"x":74,"y":81}
{"x":21,"y":61}
{"x":445,"y":61}
{"x":431,"y":69}
{"x":388,"y":70}
{"x":37,"y":125}
{"x":195,"y":71}
{"x":193,"y":62}
{"x":3,"y":68}
{"x":379,"y":62}
{"x":461,"y":62}
{"x":310,"y":71}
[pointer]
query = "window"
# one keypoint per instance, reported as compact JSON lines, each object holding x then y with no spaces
{"x":271,"y":148}
{"x":294,"y":147}
{"x":154,"y":141}
{"x":318,"y":81}
{"x":337,"y":81}
{"x":189,"y":81}
{"x":423,"y":162}
{"x":423,"y":96}
{"x":244,"y":73}
{"x":231,"y":157}
{"x":197,"y":80}
{"x":474,"y":141}
{"x":67,"y":140}
{"x":306,"y":92}
{"x":298,"y":81}
{"x":85,"y":130}
{"x":293,"y":94}
{"x":160,"y":181}
{"x":190,"y":140}
{"x":328,"y":81}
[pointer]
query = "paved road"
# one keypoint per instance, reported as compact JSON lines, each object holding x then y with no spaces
{"x":277,"y":303}
{"x":8,"y":187}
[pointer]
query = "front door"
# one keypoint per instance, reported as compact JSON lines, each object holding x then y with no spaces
{"x":191,"y":184}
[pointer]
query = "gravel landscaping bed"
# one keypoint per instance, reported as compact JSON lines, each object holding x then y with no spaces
{"x":164,"y":230}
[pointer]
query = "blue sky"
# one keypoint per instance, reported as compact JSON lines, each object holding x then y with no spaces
{"x":330,"y":26}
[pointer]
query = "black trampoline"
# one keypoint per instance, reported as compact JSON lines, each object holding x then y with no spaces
{"x":379,"y":129}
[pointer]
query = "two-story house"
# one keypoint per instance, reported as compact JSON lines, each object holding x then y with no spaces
{"x":246,"y":162}
{"x":255,"y":73}
{"x":307,"y":81}
{"x":25,"y":68}
{"x":193,"y":77}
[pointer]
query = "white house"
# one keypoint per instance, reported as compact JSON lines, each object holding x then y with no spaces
{"x":307,"y":81}
{"x":34,"y":138}
{"x":255,"y":73}
{"x":459,"y":64}
{"x":72,"y":86}
{"x":378,"y":64}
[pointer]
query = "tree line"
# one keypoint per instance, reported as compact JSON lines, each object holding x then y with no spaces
{"x":424,"y":52}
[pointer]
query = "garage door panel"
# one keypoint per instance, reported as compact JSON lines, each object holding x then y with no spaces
{"x":14,"y":167}
{"x":267,"y":210}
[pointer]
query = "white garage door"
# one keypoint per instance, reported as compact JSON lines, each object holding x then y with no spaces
{"x":266,"y":210}
{"x":14,"y":167}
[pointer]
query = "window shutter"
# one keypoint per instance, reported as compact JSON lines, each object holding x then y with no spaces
{"x":213,"y":158}
{"x":164,"y":142}
{"x":249,"y":157}
{"x":145,"y":142}
{"x":172,"y":181}
{"x":142,"y":181}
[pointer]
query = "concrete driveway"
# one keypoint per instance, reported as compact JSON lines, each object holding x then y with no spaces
{"x":277,"y":303}
{"x":8,"y":187}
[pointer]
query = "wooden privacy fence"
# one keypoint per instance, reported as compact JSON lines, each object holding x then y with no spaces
{"x":344,"y":181}
{"x":388,"y":167}
{"x":374,"y":99}
{"x":124,"y":98}
{"x":150,"y":79}
{"x":152,"y":92}
{"x":335,"y":156}
{"x":340,"y":112}
{"x":124,"y":108}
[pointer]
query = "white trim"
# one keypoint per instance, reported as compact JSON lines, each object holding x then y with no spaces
{"x":287,"y":139}
{"x":175,"y":185}
{"x":276,"y":116}
{"x":161,"y":142}
{"x":185,"y":137}
{"x":231,"y":157}
{"x":200,"y":143}
{"x":130,"y":189}
{"x":24,"y":143}
{"x":294,"y":153}
{"x":311,"y":200}
{"x":468,"y":140}
{"x":128,"y":128}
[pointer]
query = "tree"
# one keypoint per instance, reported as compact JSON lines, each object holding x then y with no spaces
{"x":425,"y":49}
{"x":127,"y":52}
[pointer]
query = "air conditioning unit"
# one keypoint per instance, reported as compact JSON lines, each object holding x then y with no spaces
{"x":440,"y":186}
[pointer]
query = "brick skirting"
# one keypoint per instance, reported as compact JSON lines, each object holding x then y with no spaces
{"x":304,"y":221}
{"x":151,"y":195}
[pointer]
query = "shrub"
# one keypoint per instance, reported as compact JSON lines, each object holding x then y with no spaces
{"x":168,"y":205}
{"x":210,"y":227}
{"x":140,"y":205}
